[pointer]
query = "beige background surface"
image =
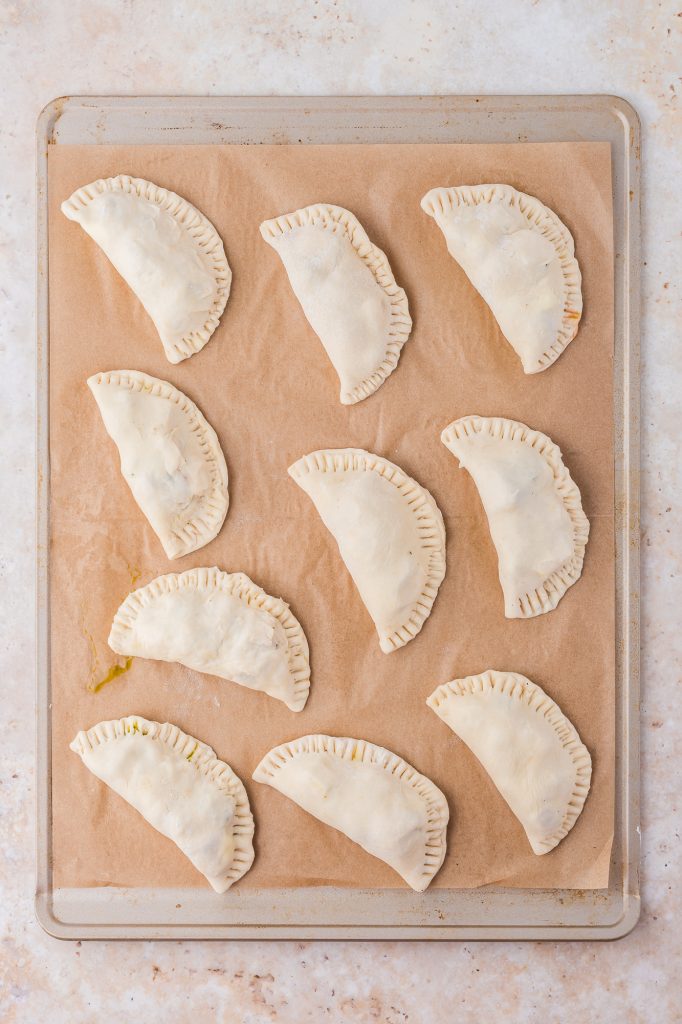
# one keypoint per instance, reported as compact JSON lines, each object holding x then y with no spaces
{"x":629,"y":47}
{"x":266,"y":386}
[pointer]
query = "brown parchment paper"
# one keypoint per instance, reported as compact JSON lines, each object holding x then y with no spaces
{"x":266,"y":386}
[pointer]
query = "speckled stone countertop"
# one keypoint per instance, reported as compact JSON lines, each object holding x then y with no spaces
{"x":630,"y":47}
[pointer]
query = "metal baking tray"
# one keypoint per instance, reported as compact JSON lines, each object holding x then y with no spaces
{"x":328,"y":913}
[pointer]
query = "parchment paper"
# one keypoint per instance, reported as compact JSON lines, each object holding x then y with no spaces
{"x":266,"y":386}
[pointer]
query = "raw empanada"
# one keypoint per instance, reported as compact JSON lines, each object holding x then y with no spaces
{"x":520,"y":257}
{"x":389,"y":531}
{"x":527,"y":746}
{"x":180,"y":787}
{"x":533,"y":507}
{"x":368,"y":793}
{"x":348,"y":293}
{"x":221,"y":624}
{"x":170,"y":457}
{"x":168,"y":252}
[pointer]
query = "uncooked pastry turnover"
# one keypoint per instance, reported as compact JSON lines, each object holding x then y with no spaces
{"x":348,"y":293}
{"x":180,"y":787}
{"x":219,"y":623}
{"x":166,"y":251}
{"x":170,"y":457}
{"x":520,"y":258}
{"x":533,"y":507}
{"x":389,"y":531}
{"x":528,"y":747}
{"x":368,"y":793}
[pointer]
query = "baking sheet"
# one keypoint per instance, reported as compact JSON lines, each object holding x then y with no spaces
{"x":264,"y":384}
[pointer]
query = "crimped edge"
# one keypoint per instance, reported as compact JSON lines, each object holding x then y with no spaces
{"x":238,"y":585}
{"x":338,"y":219}
{"x":518,"y":687}
{"x":542,"y":599}
{"x":202,"y":758}
{"x":438,"y":202}
{"x":200,"y":229}
{"x":430,"y":524}
{"x":348,"y":749}
{"x":198,"y":531}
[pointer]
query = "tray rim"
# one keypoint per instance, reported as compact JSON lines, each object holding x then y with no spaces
{"x":49,"y":906}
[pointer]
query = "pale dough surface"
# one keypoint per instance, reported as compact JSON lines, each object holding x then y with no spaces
{"x":180,"y":787}
{"x":170,"y":457}
{"x":348,"y":293}
{"x":219,"y":623}
{"x":390,"y":534}
{"x":528,"y":747}
{"x":521,"y":258}
{"x":165,"y":249}
{"x":534,"y":509}
{"x":369,"y":794}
